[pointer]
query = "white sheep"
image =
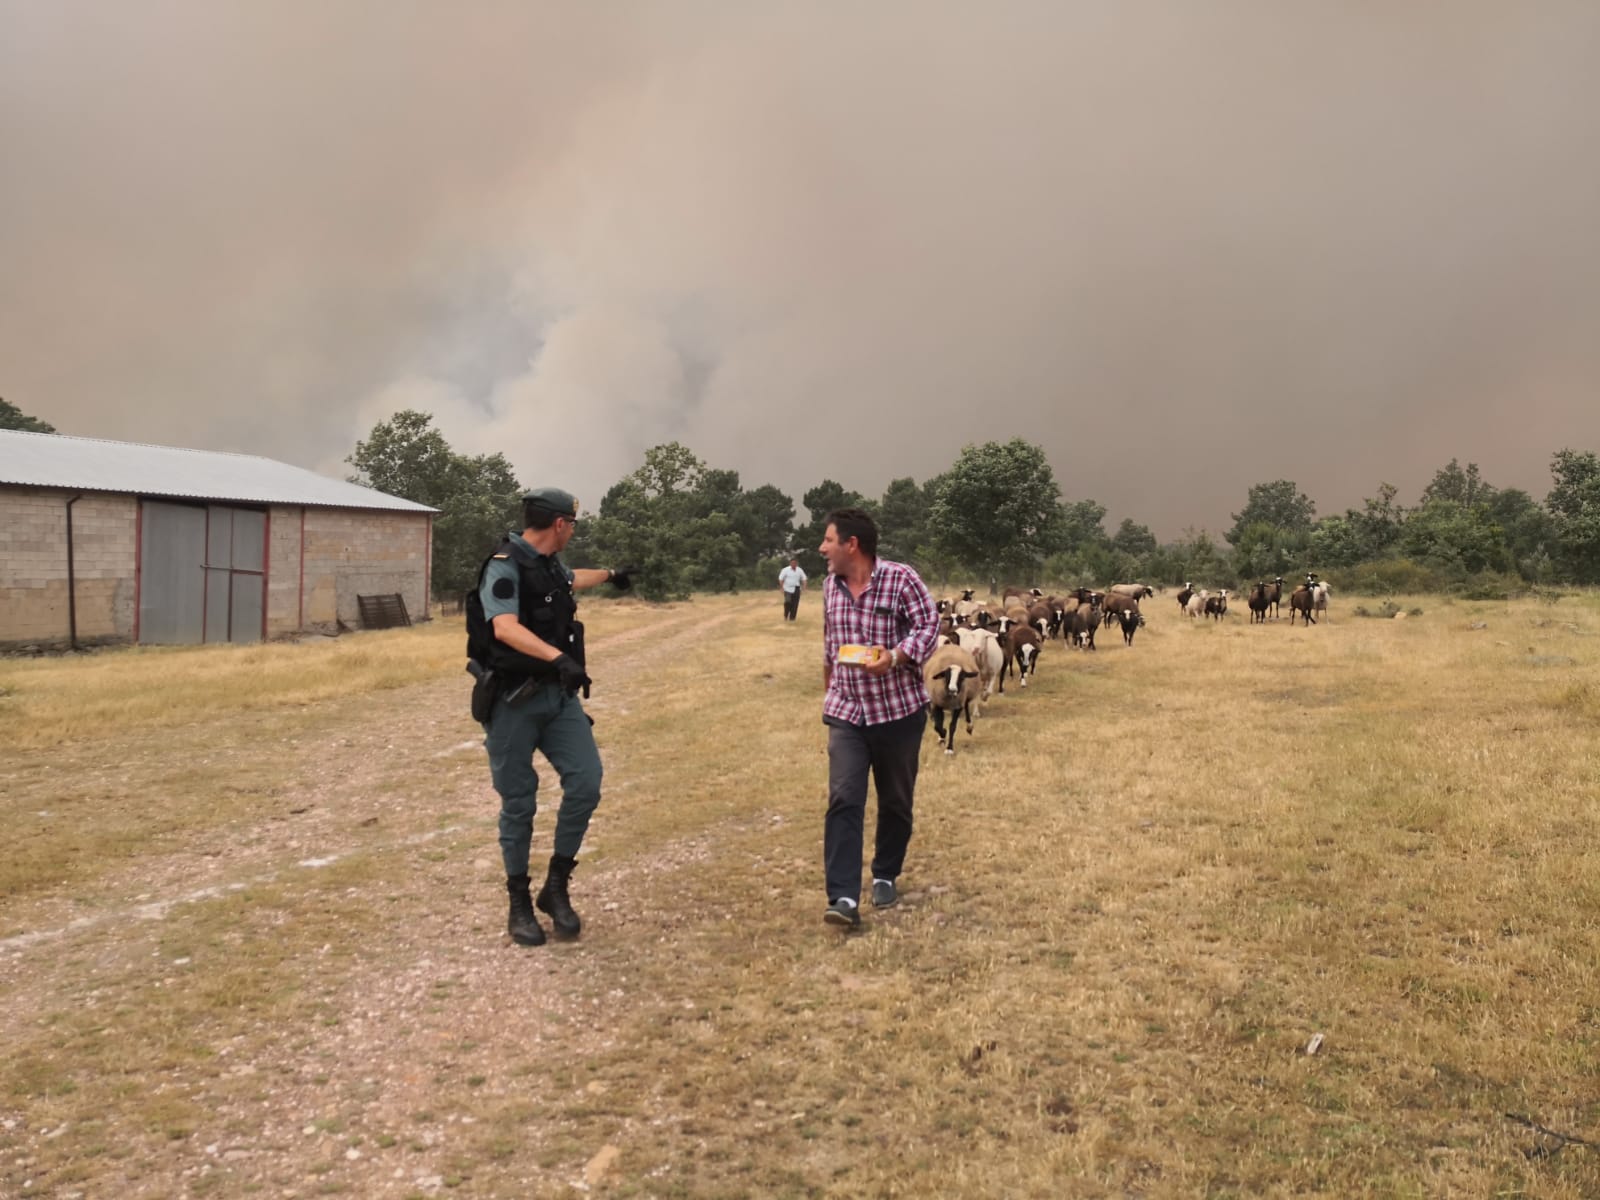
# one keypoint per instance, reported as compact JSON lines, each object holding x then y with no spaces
{"x":953,"y":688}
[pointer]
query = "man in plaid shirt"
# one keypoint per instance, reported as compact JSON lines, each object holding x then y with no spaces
{"x":875,"y":711}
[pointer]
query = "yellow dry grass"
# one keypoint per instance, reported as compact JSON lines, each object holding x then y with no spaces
{"x":1132,"y":899}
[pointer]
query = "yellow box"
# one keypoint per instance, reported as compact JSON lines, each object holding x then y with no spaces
{"x":858,"y":655}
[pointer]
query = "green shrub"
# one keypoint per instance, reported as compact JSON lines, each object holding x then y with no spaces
{"x":1387,"y":576}
{"x":1489,"y":585}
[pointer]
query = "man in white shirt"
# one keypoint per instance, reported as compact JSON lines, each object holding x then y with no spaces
{"x":793,"y":581}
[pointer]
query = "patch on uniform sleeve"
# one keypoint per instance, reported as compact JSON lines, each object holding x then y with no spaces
{"x":503,"y":589}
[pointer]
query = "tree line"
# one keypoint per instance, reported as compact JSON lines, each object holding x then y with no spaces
{"x":997,"y":516}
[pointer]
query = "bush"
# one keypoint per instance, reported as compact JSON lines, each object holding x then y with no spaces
{"x":1386,"y":576}
{"x":1387,"y":611}
{"x":1489,"y":585}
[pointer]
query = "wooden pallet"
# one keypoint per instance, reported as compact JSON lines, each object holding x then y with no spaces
{"x":383,"y":612}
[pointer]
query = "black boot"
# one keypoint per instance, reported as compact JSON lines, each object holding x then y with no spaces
{"x":522,"y":925}
{"x":552,"y":899}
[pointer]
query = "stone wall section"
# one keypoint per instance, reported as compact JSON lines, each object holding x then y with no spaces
{"x":33,"y":566}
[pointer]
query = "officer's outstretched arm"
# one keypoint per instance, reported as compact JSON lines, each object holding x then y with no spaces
{"x":584,"y":578}
{"x":517,"y":635}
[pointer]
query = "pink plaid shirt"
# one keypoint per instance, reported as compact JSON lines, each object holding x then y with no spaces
{"x":895,"y":612}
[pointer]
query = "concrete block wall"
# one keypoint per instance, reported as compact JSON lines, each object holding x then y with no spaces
{"x":283,"y":570}
{"x":33,"y":566}
{"x":344,"y":553}
{"x":350,"y":552}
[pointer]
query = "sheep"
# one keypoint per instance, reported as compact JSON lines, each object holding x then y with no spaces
{"x":1022,"y":647}
{"x":1130,"y":619}
{"x":1258,"y":602}
{"x":1137,"y":591}
{"x":1275,"y":595}
{"x":953,"y":688}
{"x":1185,"y":596}
{"x":1040,"y":617}
{"x":991,"y":659}
{"x":1319,"y":598}
{"x":1117,"y":603}
{"x":1197,"y":602}
{"x":1081,"y":624}
{"x":965,"y":606}
{"x":1300,"y":601}
{"x":1217,"y":606}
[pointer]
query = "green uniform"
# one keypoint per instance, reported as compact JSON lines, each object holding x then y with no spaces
{"x":546,"y":719}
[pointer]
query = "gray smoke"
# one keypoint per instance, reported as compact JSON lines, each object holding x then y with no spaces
{"x":1186,"y":248}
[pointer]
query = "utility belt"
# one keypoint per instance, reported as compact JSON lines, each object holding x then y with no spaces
{"x":490,"y":684}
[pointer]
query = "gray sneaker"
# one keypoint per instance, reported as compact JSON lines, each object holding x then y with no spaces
{"x":883,"y":894}
{"x":843,"y":913}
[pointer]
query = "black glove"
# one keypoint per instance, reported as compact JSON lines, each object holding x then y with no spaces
{"x":622,"y":577}
{"x":572,"y":676}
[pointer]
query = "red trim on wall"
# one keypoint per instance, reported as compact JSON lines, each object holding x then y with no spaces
{"x":302,"y":617}
{"x":205,"y":581}
{"x":266,"y":574}
{"x":427,"y":566}
{"x":138,"y":562}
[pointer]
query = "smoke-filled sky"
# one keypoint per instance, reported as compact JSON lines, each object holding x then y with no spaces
{"x":1184,"y":247}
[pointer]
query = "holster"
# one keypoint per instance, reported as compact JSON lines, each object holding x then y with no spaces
{"x":485,"y":688}
{"x":575,"y":636}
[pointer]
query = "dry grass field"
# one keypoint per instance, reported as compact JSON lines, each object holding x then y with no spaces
{"x":251,"y":923}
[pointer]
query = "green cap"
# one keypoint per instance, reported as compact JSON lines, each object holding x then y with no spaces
{"x":563,"y":504}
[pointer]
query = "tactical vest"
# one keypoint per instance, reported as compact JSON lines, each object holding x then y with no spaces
{"x":546,"y":608}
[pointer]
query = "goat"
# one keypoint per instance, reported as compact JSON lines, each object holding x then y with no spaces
{"x":953,"y":688}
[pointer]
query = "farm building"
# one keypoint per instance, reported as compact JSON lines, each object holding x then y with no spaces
{"x":104,"y":542}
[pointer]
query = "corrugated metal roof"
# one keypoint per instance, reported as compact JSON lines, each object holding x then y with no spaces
{"x":54,"y":460}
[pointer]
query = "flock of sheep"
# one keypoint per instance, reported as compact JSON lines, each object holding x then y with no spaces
{"x":1310,"y":597}
{"x":980,"y":648}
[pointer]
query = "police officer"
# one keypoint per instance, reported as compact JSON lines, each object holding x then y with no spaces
{"x":528,"y":636}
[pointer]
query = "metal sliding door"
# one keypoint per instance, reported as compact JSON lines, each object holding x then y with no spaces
{"x":235,"y":576}
{"x":172,"y":585}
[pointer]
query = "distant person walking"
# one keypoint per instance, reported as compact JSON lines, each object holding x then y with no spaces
{"x":875,"y":710}
{"x":793,"y":581}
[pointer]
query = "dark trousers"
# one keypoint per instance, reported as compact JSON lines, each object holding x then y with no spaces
{"x":552,"y":722}
{"x":889,"y":751}
{"x":791,"y":604}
